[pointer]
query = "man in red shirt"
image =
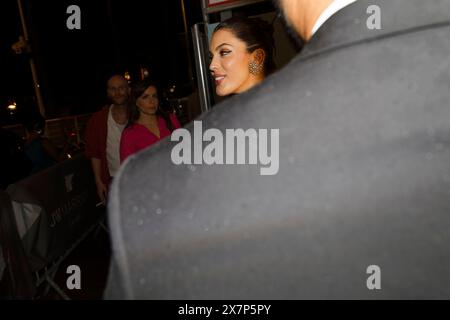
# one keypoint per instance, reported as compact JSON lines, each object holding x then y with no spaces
{"x":103,"y":134}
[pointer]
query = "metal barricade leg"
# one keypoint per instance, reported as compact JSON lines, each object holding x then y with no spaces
{"x":56,"y":288}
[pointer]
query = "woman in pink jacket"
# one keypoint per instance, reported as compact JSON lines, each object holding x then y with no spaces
{"x":148,"y":123}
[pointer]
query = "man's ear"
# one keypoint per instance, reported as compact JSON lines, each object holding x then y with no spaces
{"x":259,"y":55}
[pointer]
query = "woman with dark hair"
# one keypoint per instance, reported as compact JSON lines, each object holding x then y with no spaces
{"x":148,"y":123}
{"x":241,"y":52}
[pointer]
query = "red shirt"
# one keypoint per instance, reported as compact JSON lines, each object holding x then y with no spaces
{"x":95,"y":137}
{"x":137,"y":137}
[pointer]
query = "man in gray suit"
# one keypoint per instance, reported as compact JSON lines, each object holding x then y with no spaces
{"x":360,"y":204}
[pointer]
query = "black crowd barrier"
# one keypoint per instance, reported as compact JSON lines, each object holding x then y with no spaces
{"x":43,"y":218}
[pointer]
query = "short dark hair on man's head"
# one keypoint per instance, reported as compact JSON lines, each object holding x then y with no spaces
{"x":114,"y":76}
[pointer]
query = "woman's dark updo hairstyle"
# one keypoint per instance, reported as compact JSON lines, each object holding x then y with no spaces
{"x":138,"y":90}
{"x":256,"y":33}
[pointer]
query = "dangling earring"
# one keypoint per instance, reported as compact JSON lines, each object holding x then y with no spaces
{"x":254,"y":68}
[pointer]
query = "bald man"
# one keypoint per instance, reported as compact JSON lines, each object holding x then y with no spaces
{"x":359,"y":208}
{"x":103,"y":134}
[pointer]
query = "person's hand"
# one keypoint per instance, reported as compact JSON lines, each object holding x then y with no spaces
{"x":102,"y":191}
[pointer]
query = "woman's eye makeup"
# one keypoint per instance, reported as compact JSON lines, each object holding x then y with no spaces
{"x":224,"y":52}
{"x":146,"y":96}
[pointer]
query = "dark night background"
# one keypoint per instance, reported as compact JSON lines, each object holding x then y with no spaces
{"x":73,"y":65}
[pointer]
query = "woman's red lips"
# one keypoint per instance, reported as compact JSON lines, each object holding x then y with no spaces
{"x":218,"y":78}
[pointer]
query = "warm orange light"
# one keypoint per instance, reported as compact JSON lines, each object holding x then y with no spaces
{"x":12,"y":106}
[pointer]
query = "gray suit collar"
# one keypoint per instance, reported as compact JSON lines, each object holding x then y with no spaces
{"x":349,"y":25}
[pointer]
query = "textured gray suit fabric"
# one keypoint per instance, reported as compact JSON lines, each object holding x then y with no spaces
{"x":364,"y":178}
